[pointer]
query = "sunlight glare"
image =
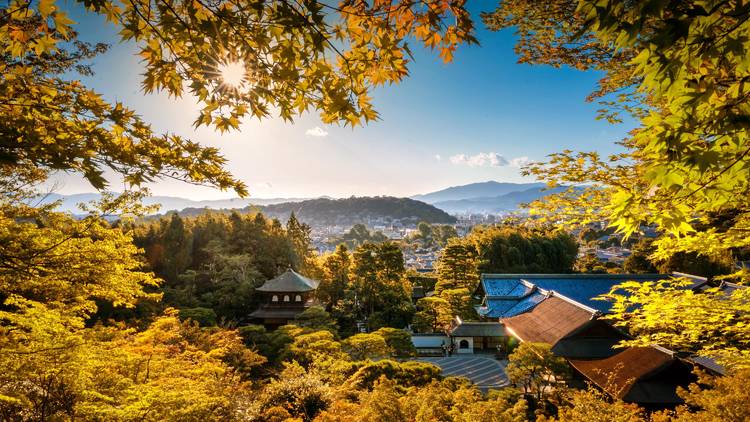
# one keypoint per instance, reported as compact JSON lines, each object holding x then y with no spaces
{"x":232,"y":74}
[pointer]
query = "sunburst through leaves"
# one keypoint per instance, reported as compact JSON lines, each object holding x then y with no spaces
{"x":232,"y":74}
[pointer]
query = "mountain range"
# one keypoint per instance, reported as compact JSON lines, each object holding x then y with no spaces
{"x":495,"y":204}
{"x":488,"y":189}
{"x":484,"y":197}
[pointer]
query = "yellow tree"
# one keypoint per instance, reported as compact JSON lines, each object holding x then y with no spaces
{"x":239,"y":58}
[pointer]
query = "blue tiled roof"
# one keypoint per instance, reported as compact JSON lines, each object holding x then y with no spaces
{"x":525,"y":304}
{"x":504,"y":308}
{"x":495,"y":308}
{"x":584,"y":290}
{"x":581,"y":288}
{"x":501,"y":287}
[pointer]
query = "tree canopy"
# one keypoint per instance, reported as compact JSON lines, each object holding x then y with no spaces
{"x":678,"y":68}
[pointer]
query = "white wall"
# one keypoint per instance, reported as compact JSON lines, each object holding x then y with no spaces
{"x":432,"y":340}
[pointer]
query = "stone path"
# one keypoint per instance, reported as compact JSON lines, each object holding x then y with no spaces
{"x":484,"y":372}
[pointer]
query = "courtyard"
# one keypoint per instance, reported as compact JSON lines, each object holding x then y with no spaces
{"x":485,"y":372}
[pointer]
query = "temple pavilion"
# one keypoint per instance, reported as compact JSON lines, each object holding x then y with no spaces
{"x":285,"y":297}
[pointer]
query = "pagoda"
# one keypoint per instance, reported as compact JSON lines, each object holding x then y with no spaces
{"x":285,"y":297}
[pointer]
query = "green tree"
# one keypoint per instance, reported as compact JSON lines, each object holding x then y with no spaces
{"x":336,"y":268}
{"x":434,"y":314}
{"x":317,"y":318}
{"x":519,"y":250}
{"x":460,"y":303}
{"x":444,"y":233}
{"x":534,"y":368}
{"x":404,"y":374}
{"x":457,"y":267}
{"x":205,"y":317}
{"x":366,"y":346}
{"x":398,"y":340}
{"x":589,"y":263}
{"x":302,"y":394}
{"x":639,"y":260}
{"x":382,"y":404}
{"x":424,"y":231}
{"x":380,"y":286}
{"x":299,"y":237}
{"x":177,"y":246}
{"x":309,"y":347}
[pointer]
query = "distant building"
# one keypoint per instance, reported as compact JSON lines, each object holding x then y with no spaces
{"x":286,"y":296}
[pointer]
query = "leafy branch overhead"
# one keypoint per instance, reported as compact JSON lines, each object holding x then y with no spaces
{"x":680,"y":69}
{"x":293,"y":57}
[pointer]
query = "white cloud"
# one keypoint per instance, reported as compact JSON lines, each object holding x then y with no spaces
{"x":482,"y":159}
{"x":438,"y":157}
{"x":519,"y":161}
{"x":316,"y":132}
{"x":488,"y":159}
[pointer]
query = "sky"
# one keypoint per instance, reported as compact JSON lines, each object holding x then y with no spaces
{"x":476,"y":119}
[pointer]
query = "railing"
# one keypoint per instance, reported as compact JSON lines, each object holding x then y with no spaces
{"x":291,"y":306}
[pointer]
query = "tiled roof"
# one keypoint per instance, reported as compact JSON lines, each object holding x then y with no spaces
{"x":501,"y":308}
{"x":290,"y":281}
{"x":549,"y":321}
{"x":504,"y":287}
{"x":645,"y":375}
{"x":710,"y":364}
{"x":582,"y":288}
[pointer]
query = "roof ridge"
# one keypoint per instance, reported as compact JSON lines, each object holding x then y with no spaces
{"x":594,"y":312}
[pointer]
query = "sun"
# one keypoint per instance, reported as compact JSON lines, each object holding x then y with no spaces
{"x":232,"y":74}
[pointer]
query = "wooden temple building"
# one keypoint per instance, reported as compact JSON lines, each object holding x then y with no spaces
{"x":285,"y":297}
{"x":562,"y":310}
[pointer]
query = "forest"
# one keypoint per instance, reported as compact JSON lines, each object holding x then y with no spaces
{"x":143,"y":321}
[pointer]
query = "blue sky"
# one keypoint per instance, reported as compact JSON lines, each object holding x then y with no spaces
{"x":448,"y":124}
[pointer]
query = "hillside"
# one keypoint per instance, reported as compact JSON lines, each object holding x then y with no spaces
{"x":349,"y":211}
{"x":319,"y":211}
{"x":488,"y":189}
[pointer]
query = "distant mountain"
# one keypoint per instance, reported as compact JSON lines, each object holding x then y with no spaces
{"x":475,"y":191}
{"x":495,"y":204}
{"x":167,"y":203}
{"x":349,"y":211}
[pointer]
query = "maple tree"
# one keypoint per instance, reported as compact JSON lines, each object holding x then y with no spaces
{"x":676,"y":67}
{"x":679,"y":69}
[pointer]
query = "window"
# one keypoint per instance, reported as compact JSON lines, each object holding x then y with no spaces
{"x":298,"y":298}
{"x":463,"y":344}
{"x":286,"y":298}
{"x":275,"y":298}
